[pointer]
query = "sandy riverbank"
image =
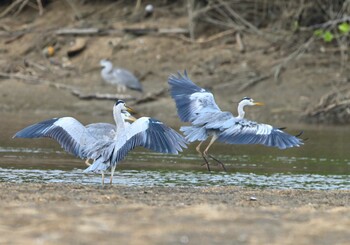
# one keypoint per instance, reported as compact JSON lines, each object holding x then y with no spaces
{"x":61,"y":213}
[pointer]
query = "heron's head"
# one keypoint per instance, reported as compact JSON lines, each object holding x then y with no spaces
{"x":104,"y":63}
{"x":249,"y":101}
{"x":122,"y":106}
{"x":127,"y":116}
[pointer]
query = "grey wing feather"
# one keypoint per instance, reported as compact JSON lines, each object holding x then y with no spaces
{"x":101,"y":130}
{"x":216,"y":121}
{"x":248,"y":132}
{"x":146,"y":132}
{"x":69,"y":133}
{"x":190,"y":99}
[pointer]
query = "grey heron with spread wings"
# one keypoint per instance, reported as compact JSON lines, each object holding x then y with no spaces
{"x":107,"y":151}
{"x":71,"y":134}
{"x":197,"y":106}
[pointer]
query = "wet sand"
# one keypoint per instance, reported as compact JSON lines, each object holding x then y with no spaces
{"x":79,"y":214}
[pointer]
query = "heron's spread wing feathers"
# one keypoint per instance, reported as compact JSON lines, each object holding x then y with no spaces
{"x":146,"y":132}
{"x":190,"y":99}
{"x":101,"y":130}
{"x":69,"y":133}
{"x":249,"y":132}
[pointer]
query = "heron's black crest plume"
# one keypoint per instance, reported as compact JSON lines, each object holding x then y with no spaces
{"x":245,"y":98}
{"x":119,"y":101}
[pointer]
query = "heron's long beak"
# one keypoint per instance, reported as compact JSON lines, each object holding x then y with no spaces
{"x":129,"y":109}
{"x":258,"y":103}
{"x":131,"y":118}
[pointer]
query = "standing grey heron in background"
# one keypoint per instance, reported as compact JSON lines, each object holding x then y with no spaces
{"x":197,"y":106}
{"x":120,"y":77}
{"x":71,"y":134}
{"x":145,"y":131}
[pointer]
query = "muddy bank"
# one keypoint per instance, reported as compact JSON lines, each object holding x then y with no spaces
{"x":61,"y":213}
{"x":216,"y":65}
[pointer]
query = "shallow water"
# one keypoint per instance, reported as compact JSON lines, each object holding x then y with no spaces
{"x":322,"y":163}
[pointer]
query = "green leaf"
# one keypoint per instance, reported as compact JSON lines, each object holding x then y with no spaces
{"x":344,"y":28}
{"x":318,"y":33}
{"x":328,"y":37}
{"x":295,"y":26}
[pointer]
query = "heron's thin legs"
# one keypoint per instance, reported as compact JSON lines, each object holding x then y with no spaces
{"x":218,"y":161}
{"x":103,"y":178}
{"x":206,"y":163}
{"x":87,"y":162}
{"x":112,"y":173}
{"x":198,"y":149}
{"x":205,"y":152}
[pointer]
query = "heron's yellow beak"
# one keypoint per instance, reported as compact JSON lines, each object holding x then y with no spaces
{"x":131,"y":118}
{"x":258,"y":103}
{"x":129,"y":109}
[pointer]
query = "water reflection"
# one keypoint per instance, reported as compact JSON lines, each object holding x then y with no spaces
{"x":180,"y":178}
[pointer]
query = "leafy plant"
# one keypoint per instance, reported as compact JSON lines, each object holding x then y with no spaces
{"x":344,"y":28}
{"x":328,"y":36}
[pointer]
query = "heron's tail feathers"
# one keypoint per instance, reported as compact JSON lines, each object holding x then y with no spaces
{"x":98,"y":166}
{"x":194,"y":133}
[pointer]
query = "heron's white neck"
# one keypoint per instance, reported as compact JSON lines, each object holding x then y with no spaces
{"x":120,"y":127}
{"x":240,"y":110}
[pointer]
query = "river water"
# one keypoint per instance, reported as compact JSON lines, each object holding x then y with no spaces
{"x":322,"y":163}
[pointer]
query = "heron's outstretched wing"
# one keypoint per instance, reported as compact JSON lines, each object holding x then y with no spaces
{"x":191,"y":100}
{"x":248,"y":132}
{"x":69,"y":133}
{"x":155,"y":135}
{"x":146,"y":132}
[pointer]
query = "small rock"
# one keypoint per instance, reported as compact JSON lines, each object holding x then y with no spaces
{"x":253,"y":198}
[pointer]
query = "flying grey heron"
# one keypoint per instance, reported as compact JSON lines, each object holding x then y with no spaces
{"x":145,"y":131}
{"x":120,"y":77}
{"x":197,"y":106}
{"x":71,"y":134}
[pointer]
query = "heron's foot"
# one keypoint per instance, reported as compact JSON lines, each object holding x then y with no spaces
{"x":206,"y":162}
{"x":218,"y":161}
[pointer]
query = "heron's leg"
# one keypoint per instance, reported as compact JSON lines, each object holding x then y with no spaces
{"x":112,"y":173}
{"x":103,"y":178}
{"x":198,"y":149}
{"x":87,"y":162}
{"x":206,"y":163}
{"x":205,"y":152}
{"x":218,"y":161}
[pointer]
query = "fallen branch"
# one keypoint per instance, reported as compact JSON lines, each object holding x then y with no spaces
{"x":100,"y":96}
{"x":211,"y":38}
{"x":278,"y":68}
{"x":135,"y":31}
{"x":253,"y":82}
